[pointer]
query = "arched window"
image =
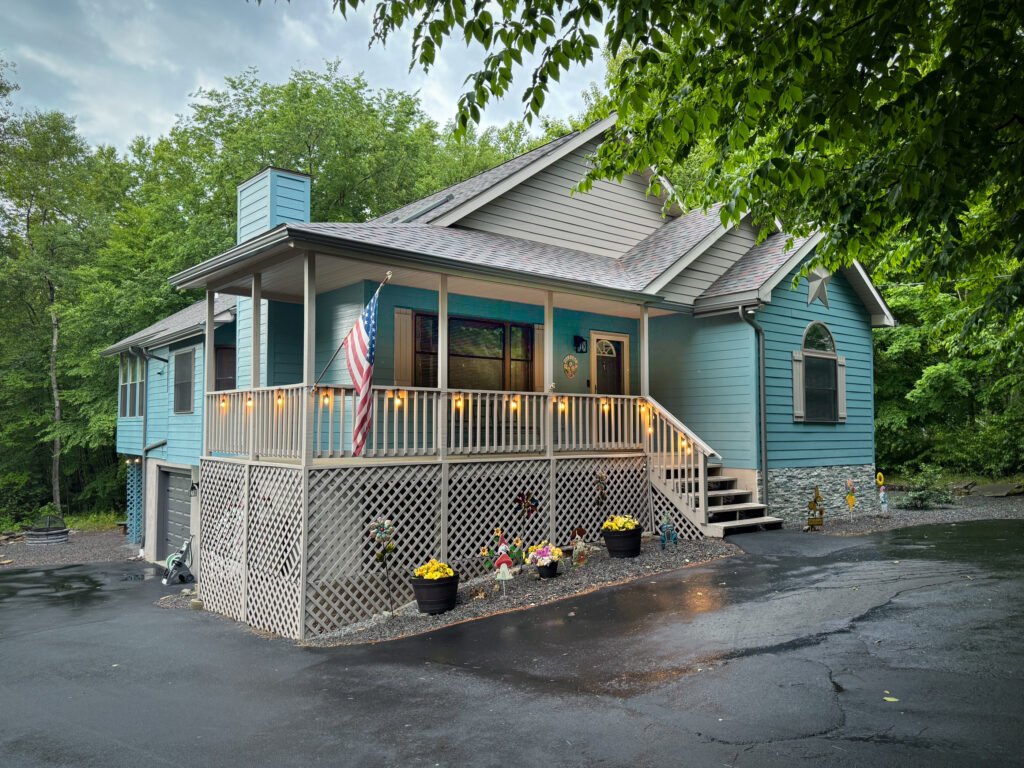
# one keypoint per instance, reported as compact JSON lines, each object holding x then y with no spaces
{"x":819,"y":378}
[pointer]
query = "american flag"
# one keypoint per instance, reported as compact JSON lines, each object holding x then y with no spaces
{"x":360,"y":345}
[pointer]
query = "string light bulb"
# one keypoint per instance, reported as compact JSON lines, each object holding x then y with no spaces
{"x":223,"y":402}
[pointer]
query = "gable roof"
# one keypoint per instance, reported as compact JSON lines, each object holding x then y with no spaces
{"x":653,"y":255}
{"x":761,"y":269}
{"x":432,"y":207}
{"x":183,"y":324}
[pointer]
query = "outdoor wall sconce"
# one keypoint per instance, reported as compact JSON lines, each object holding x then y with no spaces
{"x":579,"y":344}
{"x":193,"y":490}
{"x":458,"y":402}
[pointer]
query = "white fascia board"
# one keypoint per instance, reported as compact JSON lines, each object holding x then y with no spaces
{"x":686,"y":259}
{"x":765,"y":291}
{"x":464,"y":209}
{"x":860,"y":281}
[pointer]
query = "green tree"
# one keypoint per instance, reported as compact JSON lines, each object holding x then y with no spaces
{"x":866,"y":119}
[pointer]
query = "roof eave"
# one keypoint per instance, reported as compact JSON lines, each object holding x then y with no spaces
{"x":196,"y":276}
{"x":155,"y":340}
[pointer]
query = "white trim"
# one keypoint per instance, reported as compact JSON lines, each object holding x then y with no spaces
{"x":611,"y":336}
{"x":497,"y":190}
{"x":865,"y":289}
{"x":686,"y":259}
{"x":764,"y":293}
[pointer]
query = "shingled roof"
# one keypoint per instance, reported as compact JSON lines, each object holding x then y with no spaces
{"x":192,"y":317}
{"x":756,"y":267}
{"x":436,"y":205}
{"x":649,"y":258}
{"x":473,"y":247}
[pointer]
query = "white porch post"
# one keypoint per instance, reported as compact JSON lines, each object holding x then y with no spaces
{"x":257,"y":322}
{"x":441,"y":430}
{"x":549,"y":412}
{"x":308,"y":353}
{"x":210,"y":363}
{"x":645,"y":352}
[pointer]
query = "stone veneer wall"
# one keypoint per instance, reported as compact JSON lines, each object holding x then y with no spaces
{"x":790,"y":488}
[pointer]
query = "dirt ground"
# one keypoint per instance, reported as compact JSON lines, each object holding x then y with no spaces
{"x":82,"y":547}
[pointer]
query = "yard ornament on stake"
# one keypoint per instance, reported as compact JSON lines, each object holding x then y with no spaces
{"x":816,"y":505}
{"x":360,"y":346}
{"x":503,"y":570}
{"x":851,"y":496}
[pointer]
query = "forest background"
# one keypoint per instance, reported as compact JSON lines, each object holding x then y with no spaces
{"x":89,"y":235}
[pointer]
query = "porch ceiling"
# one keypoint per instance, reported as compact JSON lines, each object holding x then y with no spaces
{"x":282,"y":280}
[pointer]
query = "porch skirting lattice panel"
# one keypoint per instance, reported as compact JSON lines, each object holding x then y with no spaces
{"x":309,"y":574}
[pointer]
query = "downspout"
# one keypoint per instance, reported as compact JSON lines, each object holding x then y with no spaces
{"x":762,"y":404}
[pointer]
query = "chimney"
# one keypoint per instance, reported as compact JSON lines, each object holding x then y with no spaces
{"x":271,"y":197}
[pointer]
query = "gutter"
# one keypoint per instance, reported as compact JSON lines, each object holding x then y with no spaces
{"x":762,"y":398}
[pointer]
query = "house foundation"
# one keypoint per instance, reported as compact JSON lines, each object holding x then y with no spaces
{"x":791,"y":488}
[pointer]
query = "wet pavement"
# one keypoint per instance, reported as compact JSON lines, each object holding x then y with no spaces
{"x":781,"y":656}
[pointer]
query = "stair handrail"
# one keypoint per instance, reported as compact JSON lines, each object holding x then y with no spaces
{"x":664,"y":413}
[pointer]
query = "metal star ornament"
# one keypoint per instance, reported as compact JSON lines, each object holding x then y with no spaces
{"x":817,"y":285}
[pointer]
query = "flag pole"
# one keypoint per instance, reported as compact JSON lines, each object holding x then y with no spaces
{"x":316,"y":384}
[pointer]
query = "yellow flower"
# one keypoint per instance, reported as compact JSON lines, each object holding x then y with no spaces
{"x":517,"y":542}
{"x":620,"y":523}
{"x":497,"y":531}
{"x":434,"y":569}
{"x":485,"y":551}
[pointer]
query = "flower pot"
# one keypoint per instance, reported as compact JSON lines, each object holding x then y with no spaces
{"x":623,"y":543}
{"x":435,"y":595}
{"x":548,"y":571}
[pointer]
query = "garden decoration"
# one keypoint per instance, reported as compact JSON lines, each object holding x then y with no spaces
{"x":883,"y":497}
{"x":669,"y":534}
{"x":601,"y":490}
{"x":527,"y":503}
{"x":436,"y":587}
{"x":502,"y":570}
{"x":579,"y":549}
{"x":817,"y":508}
{"x":851,"y":496}
{"x":622,"y":535}
{"x":499,"y":546}
{"x":383,"y":532}
{"x":545,"y":556}
{"x":570,"y":365}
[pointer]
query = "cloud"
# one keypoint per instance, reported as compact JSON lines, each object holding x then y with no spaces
{"x":125,"y":69}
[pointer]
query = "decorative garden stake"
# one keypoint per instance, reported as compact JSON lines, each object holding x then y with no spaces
{"x":817,"y":508}
{"x":383,"y":533}
{"x":502,"y":570}
{"x":498,"y":546}
{"x":883,"y":497}
{"x":601,"y":491}
{"x":851,"y":496}
{"x":669,"y":535}
{"x":580,"y":549}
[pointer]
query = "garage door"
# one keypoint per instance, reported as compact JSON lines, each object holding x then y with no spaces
{"x":176,"y":510}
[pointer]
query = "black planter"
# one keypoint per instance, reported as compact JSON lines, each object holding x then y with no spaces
{"x":435,"y":595}
{"x":623,"y":543}
{"x":548,"y":571}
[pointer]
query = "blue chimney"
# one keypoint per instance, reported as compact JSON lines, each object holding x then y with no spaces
{"x":271,"y":197}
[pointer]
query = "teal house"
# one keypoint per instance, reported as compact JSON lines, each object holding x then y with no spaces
{"x":540,"y":359}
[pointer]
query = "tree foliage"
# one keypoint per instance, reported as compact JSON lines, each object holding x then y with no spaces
{"x":869,"y":119}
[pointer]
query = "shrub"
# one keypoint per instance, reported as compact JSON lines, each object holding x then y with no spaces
{"x":925,"y":489}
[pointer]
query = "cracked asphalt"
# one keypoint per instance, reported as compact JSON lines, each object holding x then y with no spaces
{"x":782,"y":656}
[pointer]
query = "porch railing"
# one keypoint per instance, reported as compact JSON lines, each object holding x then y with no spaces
{"x":410,"y":422}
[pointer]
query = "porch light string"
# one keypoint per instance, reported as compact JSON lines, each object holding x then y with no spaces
{"x":316,"y":384}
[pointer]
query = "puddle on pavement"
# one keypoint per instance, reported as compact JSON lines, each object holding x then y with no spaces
{"x":996,"y":546}
{"x":70,"y":586}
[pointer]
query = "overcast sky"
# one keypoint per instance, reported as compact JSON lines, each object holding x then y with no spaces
{"x":126,"y":67}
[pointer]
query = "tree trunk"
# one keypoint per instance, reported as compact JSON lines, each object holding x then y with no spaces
{"x":55,"y":391}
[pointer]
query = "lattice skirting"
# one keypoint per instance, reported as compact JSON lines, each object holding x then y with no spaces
{"x":663,"y":507}
{"x":133,"y":495}
{"x":252,"y":521}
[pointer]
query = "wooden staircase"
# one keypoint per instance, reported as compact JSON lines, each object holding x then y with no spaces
{"x":731,"y":508}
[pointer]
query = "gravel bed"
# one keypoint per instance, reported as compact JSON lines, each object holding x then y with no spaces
{"x":963,"y":510}
{"x":482,"y":596}
{"x":82,"y":547}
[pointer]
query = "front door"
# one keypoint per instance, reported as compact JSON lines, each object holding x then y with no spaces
{"x":609,"y":363}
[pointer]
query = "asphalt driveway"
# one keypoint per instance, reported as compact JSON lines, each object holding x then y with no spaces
{"x":782,"y":656}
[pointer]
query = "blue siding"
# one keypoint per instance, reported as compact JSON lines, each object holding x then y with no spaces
{"x":283,"y":333}
{"x":183,"y":432}
{"x":570,"y":323}
{"x":704,"y":371}
{"x":270,"y":198}
{"x":336,"y":312}
{"x":129,"y":435}
{"x":243,"y":343}
{"x":796,"y":444}
{"x":158,"y":392}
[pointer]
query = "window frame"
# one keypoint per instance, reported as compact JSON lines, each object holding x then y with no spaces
{"x":821,"y":355}
{"x":506,"y":358}
{"x":131,"y":388}
{"x":218,"y":351}
{"x":176,"y":356}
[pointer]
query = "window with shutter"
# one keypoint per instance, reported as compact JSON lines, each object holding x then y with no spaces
{"x":819,"y":378}
{"x":482,"y":354}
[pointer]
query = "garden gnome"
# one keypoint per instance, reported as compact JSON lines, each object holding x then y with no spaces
{"x":883,"y":500}
{"x":502,"y":569}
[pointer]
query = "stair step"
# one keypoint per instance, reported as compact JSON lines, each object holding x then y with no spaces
{"x":732,"y":525}
{"x":745,"y":506}
{"x":727,"y":492}
{"x":721,"y":479}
